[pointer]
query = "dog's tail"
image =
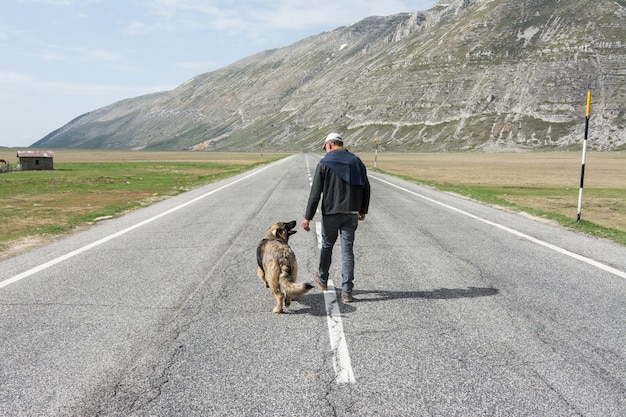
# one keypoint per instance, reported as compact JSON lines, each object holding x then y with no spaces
{"x":295,"y":289}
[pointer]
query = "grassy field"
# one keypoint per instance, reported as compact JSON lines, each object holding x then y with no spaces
{"x":542,"y":184}
{"x":37,"y":206}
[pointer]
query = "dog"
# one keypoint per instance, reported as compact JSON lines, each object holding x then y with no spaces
{"x":277,"y":266}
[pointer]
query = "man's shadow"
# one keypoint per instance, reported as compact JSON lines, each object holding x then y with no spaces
{"x":315,"y":305}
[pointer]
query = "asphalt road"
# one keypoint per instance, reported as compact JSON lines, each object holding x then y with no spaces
{"x":461,"y":310}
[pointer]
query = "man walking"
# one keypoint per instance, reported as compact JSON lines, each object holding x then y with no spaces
{"x":341,"y":178}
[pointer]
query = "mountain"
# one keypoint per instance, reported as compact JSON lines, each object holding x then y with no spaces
{"x":466,"y":75}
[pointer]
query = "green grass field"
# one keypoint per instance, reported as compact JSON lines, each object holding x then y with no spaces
{"x":38,"y":206}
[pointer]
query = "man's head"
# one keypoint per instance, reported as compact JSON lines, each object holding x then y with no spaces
{"x":334,"y":139}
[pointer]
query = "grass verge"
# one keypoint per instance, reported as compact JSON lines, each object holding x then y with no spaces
{"x":517,"y":200}
{"x":39,"y":206}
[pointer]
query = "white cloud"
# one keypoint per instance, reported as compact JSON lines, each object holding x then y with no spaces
{"x":62,"y":3}
{"x":52,"y":57}
{"x":138,"y":28}
{"x":195,"y":66}
{"x":10,"y":78}
{"x":99,"y":55}
{"x":18,"y":82}
{"x":6,"y":32}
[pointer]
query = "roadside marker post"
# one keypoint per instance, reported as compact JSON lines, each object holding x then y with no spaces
{"x":582,"y":170}
{"x":261,"y":145}
{"x":376,"y":153}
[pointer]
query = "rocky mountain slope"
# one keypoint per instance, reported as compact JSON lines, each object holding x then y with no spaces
{"x":466,"y":75}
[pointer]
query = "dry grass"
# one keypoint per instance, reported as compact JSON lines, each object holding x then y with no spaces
{"x":79,"y":155}
{"x":547,"y":182}
{"x":535,"y":170}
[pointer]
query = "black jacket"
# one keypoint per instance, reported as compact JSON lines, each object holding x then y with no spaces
{"x":338,"y":195}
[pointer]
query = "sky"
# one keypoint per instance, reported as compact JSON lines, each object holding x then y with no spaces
{"x":63,"y":58}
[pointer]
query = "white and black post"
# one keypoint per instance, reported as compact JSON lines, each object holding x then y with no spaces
{"x":376,"y":154}
{"x":582,"y":170}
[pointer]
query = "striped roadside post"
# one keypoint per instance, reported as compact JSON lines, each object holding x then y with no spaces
{"x":582,"y":170}
{"x":261,"y":144}
{"x":376,"y":154}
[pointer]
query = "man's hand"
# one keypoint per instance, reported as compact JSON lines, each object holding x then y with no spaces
{"x":305,"y":225}
{"x":360,"y":216}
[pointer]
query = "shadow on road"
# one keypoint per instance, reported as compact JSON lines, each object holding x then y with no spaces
{"x":438,"y":294}
{"x":314,"y":304}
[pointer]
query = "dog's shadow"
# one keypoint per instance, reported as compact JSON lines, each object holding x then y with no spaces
{"x":312,"y":303}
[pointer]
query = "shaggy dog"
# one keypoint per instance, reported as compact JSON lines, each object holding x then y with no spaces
{"x":278,"y":268}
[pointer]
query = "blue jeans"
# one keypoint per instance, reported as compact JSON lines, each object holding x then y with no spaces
{"x":332,"y":225}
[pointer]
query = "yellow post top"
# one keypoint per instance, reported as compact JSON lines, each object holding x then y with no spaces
{"x":588,"y":103}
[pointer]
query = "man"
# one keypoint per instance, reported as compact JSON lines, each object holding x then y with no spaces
{"x":341,"y":177}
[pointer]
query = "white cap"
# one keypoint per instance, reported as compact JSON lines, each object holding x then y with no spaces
{"x":333,"y":136}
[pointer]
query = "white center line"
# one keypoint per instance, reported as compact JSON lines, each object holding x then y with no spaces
{"x":338,"y":345}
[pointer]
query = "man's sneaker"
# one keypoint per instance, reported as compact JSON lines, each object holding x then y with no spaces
{"x":322,"y":285}
{"x":346,"y":298}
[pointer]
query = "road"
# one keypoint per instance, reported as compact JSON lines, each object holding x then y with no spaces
{"x":461,"y":310}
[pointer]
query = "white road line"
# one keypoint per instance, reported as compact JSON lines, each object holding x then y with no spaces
{"x":78,"y":251}
{"x":338,"y":345}
{"x":555,"y":248}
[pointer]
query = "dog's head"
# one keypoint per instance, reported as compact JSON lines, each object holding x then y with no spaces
{"x":282,"y":230}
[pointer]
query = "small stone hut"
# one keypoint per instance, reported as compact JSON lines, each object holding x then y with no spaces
{"x":36,"y":160}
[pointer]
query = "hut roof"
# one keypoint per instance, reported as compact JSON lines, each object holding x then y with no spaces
{"x":35,"y":154}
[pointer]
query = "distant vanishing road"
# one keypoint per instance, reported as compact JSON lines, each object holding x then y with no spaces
{"x":461,"y":310}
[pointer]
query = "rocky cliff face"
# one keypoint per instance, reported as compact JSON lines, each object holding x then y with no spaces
{"x":466,"y":75}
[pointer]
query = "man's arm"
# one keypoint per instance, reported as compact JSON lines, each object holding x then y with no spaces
{"x":365,"y":199}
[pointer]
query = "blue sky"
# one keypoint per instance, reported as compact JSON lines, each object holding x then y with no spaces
{"x":63,"y":58}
